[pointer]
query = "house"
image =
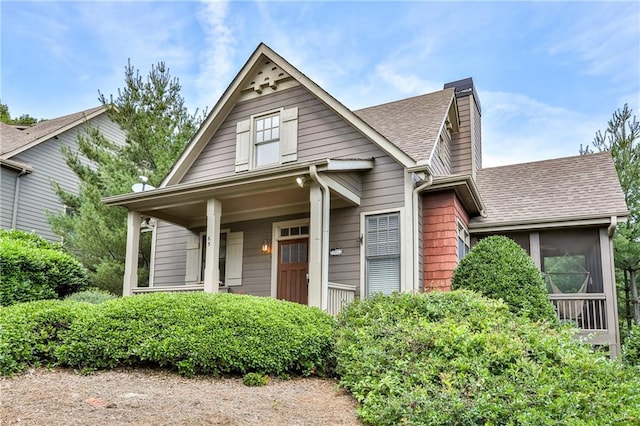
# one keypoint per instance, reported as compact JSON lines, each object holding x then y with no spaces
{"x":285,"y":192}
{"x":31,"y":159}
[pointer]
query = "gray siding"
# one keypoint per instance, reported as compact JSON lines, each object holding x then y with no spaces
{"x":170,"y":260}
{"x":477,"y":138}
{"x":321,"y":134}
{"x":441,"y":160}
{"x":37,"y":196}
{"x":7,"y":188}
{"x":461,"y":141}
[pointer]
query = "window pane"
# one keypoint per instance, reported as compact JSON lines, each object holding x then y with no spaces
{"x":284,"y":232}
{"x":275,"y":133}
{"x":383,"y":275}
{"x":304,"y":230}
{"x":260,"y":124}
{"x":383,"y":253}
{"x":285,"y":254}
{"x":267,"y":153}
{"x":275,"y":121}
{"x":259,"y":136}
{"x":294,"y":253}
{"x":267,"y":135}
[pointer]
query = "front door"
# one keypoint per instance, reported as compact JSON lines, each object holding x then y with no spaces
{"x":293,"y":266}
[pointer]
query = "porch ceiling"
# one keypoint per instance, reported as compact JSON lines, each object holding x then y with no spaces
{"x":250,"y":198}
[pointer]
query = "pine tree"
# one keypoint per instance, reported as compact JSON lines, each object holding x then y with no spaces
{"x":157,"y":127}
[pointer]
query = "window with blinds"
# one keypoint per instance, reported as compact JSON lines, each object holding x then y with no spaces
{"x":382,"y":242}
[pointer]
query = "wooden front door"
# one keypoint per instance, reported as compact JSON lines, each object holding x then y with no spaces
{"x":293,"y":266}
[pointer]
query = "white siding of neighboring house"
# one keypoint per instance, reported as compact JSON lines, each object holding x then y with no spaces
{"x":37,"y":196}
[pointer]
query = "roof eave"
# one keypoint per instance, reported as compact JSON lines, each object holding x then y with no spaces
{"x":533,"y":224}
{"x":466,"y":189}
{"x":55,"y":133}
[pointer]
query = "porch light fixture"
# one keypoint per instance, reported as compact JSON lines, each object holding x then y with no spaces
{"x":265,"y":248}
{"x":300,"y":180}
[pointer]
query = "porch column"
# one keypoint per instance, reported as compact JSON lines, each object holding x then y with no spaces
{"x":315,"y":246}
{"x":609,"y":289}
{"x":131,"y":257}
{"x":212,"y":253}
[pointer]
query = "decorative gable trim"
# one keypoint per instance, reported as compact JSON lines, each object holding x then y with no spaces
{"x":234,"y":93}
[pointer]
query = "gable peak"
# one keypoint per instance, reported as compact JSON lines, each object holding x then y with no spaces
{"x":266,"y":76}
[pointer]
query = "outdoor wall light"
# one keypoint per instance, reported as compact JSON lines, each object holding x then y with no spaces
{"x":300,"y":180}
{"x":265,"y":248}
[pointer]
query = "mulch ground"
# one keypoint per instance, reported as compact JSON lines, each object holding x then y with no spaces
{"x":153,"y":397}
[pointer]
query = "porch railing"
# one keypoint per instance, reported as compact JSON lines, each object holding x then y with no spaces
{"x":339,"y":296}
{"x":587,"y":311}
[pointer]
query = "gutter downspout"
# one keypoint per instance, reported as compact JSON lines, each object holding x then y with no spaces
{"x":16,"y":198}
{"x":416,"y":240}
{"x":612,"y":227}
{"x":324,"y":242}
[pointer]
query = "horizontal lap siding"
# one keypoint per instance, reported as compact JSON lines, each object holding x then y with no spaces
{"x":352,"y":181}
{"x":36,"y":192}
{"x":321,"y":134}
{"x":170,"y":259}
{"x":7,"y":190}
{"x":461,"y":160}
{"x":441,"y":160}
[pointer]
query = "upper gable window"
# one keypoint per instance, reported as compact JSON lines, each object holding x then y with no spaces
{"x":267,"y":139}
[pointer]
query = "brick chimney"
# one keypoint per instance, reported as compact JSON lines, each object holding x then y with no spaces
{"x":466,"y":149}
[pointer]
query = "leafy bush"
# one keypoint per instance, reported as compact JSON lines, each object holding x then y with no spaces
{"x":255,"y":379}
{"x":631,"y":347}
{"x":460,"y":359}
{"x":202,"y":333}
{"x":92,"y":295}
{"x":30,"y":332}
{"x":500,"y":269}
{"x":34,"y":269}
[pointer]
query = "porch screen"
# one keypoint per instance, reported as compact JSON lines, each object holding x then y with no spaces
{"x":382,"y":253}
{"x":571,"y":261}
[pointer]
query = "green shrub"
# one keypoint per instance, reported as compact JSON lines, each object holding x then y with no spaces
{"x":199,"y":333}
{"x":460,"y":359}
{"x":500,"y":269}
{"x":631,"y":347}
{"x":255,"y":379}
{"x":30,"y":332}
{"x":92,"y":295}
{"x":33,"y":269}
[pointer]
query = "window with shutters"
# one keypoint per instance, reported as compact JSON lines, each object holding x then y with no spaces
{"x":382,"y":251}
{"x":267,"y":139}
{"x":229,"y":257}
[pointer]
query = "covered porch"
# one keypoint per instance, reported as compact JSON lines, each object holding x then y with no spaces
{"x":264,"y":232}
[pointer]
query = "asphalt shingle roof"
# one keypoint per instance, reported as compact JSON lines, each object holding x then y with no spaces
{"x":411,"y":124}
{"x":12,"y":138}
{"x":583,"y":186}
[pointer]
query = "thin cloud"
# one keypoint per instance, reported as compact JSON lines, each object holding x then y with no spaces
{"x":216,"y":61}
{"x":516,"y":129}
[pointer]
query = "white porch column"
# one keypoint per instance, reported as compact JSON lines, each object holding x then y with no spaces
{"x":315,"y":246}
{"x":212,"y":254}
{"x":131,"y":259}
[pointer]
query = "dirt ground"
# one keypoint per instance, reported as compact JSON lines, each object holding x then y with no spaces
{"x":150,"y":397}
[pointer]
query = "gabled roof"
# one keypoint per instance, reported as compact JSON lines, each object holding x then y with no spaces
{"x":15,"y":141}
{"x":412,"y":124}
{"x":566,"y":189}
{"x":243,"y":79}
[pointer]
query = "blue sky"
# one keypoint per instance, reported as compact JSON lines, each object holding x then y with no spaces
{"x":548,"y":74}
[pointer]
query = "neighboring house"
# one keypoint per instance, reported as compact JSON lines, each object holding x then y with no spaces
{"x":31,"y":160}
{"x":285,"y":192}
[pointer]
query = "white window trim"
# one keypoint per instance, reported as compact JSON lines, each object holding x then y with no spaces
{"x":253,"y":157}
{"x":462,"y":229}
{"x":201,"y":248}
{"x":363,"y":254}
{"x":275,"y":239}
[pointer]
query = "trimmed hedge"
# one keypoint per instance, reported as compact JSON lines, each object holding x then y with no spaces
{"x":500,"y":269}
{"x":34,"y":269}
{"x":31,"y":332}
{"x":195,"y":333}
{"x":461,"y":359}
